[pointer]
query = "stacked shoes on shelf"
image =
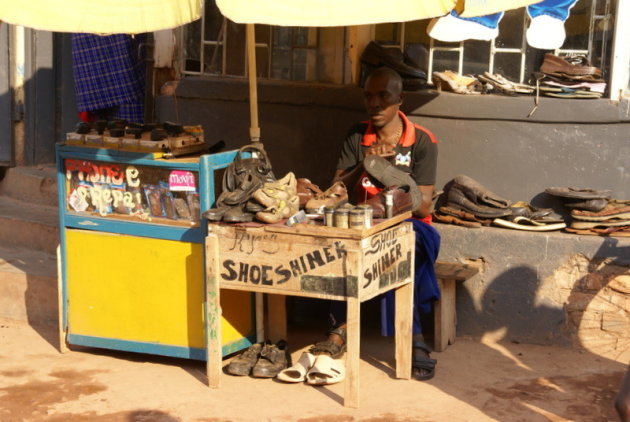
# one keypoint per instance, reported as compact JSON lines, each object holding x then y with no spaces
{"x":570,"y":77}
{"x":468,"y":203}
{"x":594,"y":212}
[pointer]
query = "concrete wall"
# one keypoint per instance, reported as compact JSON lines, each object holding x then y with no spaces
{"x":524,"y":288}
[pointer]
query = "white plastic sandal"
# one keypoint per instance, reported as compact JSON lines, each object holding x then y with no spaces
{"x":297,"y":372}
{"x":326,"y":370}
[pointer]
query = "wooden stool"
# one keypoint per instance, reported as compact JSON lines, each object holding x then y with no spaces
{"x":445,"y":313}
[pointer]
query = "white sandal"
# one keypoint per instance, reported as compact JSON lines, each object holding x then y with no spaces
{"x":297,"y":372}
{"x":326,"y":370}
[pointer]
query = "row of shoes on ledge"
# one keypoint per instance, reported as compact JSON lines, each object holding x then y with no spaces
{"x":594,"y":212}
{"x":118,"y":128}
{"x":269,"y":360}
{"x":468,"y":203}
{"x":560,"y":77}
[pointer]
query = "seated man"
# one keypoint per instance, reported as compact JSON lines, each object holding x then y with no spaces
{"x":412,"y":150}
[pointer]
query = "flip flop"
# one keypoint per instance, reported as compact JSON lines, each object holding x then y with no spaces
{"x":297,"y":372}
{"x":326,"y":370}
{"x":524,"y":223}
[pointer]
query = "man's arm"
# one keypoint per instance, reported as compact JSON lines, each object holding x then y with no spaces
{"x":426,"y":205}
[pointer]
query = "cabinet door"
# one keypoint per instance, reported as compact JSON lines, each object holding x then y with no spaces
{"x":144,"y":294}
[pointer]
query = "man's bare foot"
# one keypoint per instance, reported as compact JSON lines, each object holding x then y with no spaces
{"x":334,"y":345}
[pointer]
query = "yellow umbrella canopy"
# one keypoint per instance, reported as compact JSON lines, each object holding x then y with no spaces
{"x":355,"y":12}
{"x":100,"y":16}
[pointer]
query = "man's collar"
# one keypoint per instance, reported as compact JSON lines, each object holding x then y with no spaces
{"x":407,"y":139}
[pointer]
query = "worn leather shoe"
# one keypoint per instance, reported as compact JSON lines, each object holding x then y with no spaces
{"x":306,"y":190}
{"x":273,"y":358}
{"x":376,"y":55}
{"x":458,"y":200}
{"x":478,"y":193}
{"x":386,"y":173}
{"x":579,"y":193}
{"x":402,"y":201}
{"x":243,"y":363}
{"x":334,"y":196}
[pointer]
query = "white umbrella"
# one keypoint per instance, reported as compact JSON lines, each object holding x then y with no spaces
{"x":100,"y":16}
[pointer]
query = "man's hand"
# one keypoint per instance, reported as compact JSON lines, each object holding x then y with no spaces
{"x":383,"y":150}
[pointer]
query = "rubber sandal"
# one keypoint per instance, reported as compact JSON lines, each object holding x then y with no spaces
{"x":524,"y":223}
{"x":325,"y":371}
{"x":297,"y":372}
{"x":425,"y":363}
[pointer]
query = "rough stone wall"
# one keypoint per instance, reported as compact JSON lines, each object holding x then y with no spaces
{"x":596,"y":298}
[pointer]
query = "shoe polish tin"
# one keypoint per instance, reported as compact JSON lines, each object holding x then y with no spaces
{"x":367,"y":215}
{"x":356,"y":218}
{"x":341,"y":218}
{"x":329,"y":213}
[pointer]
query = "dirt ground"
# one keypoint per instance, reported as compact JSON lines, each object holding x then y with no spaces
{"x":475,"y":381}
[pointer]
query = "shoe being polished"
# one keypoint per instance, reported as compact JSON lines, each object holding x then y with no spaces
{"x":402,"y":201}
{"x":388,"y":175}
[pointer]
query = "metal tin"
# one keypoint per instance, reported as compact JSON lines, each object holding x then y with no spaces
{"x":356,"y":219}
{"x":368,"y":212}
{"x":329,"y":213}
{"x":389,"y":204}
{"x":341,"y":218}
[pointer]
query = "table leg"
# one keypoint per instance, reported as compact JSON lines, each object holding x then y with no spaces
{"x":404,"y":324}
{"x":260,"y":317}
{"x":276,"y":317}
{"x":353,"y":350}
{"x":213,"y":312}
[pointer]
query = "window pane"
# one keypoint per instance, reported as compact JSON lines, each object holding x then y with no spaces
{"x":192,"y":51}
{"x":281,"y":63}
{"x":511,"y":29}
{"x":236,"y":49}
{"x":213,"y":59}
{"x":476,"y":57}
{"x":299,"y":65}
{"x":213,"y":22}
{"x":262,"y":62}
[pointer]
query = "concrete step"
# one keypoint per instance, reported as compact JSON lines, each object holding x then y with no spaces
{"x":28,"y":285}
{"x":36,"y":184}
{"x":27,"y":225}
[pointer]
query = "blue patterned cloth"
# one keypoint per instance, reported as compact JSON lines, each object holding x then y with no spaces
{"x":109,"y":75}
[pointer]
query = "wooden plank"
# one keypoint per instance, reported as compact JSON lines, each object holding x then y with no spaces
{"x":353,"y":353}
{"x":445,"y":318}
{"x":319,"y":230}
{"x":260,"y":316}
{"x":403,"y":324}
{"x":259,"y":261}
{"x":213,"y":313}
{"x":455,"y":271}
{"x":276,"y":317}
{"x":63,"y":346}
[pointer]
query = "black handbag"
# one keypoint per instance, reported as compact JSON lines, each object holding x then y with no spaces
{"x":245,"y":175}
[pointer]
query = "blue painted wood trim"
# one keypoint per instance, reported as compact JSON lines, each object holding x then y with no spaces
{"x":155,"y":231}
{"x":61,"y":198}
{"x":155,"y":348}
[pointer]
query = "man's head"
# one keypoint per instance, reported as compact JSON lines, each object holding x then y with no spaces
{"x":383,"y":95}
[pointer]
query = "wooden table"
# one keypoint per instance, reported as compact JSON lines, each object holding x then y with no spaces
{"x":318,"y":262}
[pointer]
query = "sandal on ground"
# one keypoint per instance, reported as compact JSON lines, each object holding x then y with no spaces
{"x":326,"y":370}
{"x":423,"y":363}
{"x":297,"y":372}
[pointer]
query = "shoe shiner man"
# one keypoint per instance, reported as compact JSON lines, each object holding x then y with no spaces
{"x":412,"y":156}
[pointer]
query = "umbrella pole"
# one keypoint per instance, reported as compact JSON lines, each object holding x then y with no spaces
{"x":254,"y":130}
